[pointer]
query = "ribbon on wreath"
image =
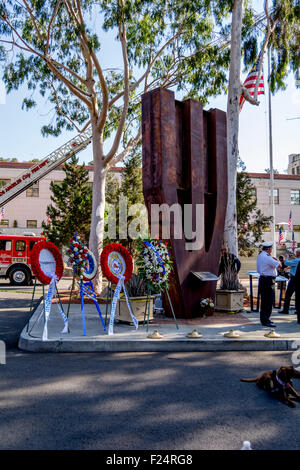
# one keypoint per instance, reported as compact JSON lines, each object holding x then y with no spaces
{"x":47,"y":308}
{"x":87,"y":288}
{"x":120,"y":286}
{"x":156,"y":254}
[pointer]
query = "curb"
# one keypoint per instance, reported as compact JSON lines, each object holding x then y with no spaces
{"x":26,"y":343}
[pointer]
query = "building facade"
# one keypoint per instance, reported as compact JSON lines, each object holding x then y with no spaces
{"x":286,"y":199}
{"x":27,"y":211}
{"x":294,"y":164}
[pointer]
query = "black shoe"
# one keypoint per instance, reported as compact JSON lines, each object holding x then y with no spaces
{"x":284,"y":312}
{"x":269,"y":324}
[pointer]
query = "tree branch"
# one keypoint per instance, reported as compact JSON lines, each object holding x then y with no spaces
{"x":131,"y":144}
{"x":88,"y":55}
{"x":74,"y":74}
{"x":55,"y":11}
{"x":270,"y":30}
{"x":245,"y":93}
{"x":60,"y":111}
{"x":39,"y":34}
{"x":146,"y":74}
{"x":117,"y":139}
{"x":71,"y":86}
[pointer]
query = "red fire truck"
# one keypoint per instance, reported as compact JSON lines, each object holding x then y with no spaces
{"x":15,"y":258}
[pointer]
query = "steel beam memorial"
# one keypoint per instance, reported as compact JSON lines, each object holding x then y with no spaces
{"x":185,"y":167}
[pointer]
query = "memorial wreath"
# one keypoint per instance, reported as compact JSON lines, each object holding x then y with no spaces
{"x":154,"y":263}
{"x":78,"y":256}
{"x":46,"y":259}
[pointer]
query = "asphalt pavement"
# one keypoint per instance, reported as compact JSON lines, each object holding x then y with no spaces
{"x":134,"y":401}
{"x":14,"y":314}
{"x":137,"y":400}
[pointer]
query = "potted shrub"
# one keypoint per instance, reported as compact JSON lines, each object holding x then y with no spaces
{"x":137,"y":291}
{"x":230,"y":296}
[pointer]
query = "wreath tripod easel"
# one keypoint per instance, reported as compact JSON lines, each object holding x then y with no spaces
{"x":117,"y":267}
{"x":154,"y":267}
{"x":85,"y":267}
{"x":47,"y":267}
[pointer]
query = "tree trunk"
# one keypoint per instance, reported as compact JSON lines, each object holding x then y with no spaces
{"x":98,"y":207}
{"x":234,"y":92}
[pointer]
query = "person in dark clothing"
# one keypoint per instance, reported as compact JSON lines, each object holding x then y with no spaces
{"x":282,"y":269}
{"x":293,"y":264}
{"x":267,"y":268}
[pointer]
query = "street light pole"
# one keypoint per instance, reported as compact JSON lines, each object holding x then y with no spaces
{"x":271,"y":159}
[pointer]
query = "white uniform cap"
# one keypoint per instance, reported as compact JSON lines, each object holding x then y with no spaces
{"x":267,"y":244}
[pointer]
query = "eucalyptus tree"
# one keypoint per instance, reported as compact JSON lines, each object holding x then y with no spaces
{"x":56,"y":48}
{"x":280,"y":33}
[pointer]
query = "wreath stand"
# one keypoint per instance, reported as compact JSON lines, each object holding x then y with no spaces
{"x":87,"y":289}
{"x":109,"y":297}
{"x":116,"y":266}
{"x":47,"y":267}
{"x":42,"y":301}
{"x":147,"y":309}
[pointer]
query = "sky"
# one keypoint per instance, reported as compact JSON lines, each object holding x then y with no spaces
{"x":20,"y":134}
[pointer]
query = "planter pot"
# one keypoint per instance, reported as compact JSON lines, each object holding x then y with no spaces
{"x":138,"y":306}
{"x":229,"y":300}
{"x":208,"y":312}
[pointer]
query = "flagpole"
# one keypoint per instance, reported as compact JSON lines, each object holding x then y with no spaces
{"x":271,"y":159}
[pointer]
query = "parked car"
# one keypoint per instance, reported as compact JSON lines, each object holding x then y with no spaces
{"x":15,"y":261}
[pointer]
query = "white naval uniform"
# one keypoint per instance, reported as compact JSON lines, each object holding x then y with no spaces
{"x":267,"y":268}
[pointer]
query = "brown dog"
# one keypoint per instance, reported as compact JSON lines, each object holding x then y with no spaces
{"x":279,"y":383}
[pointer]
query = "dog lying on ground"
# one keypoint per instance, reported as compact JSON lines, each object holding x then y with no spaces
{"x":279,"y":383}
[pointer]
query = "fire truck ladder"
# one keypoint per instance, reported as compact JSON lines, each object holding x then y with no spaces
{"x":42,"y":168}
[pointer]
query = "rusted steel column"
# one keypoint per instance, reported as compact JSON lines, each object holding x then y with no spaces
{"x":185,"y":162}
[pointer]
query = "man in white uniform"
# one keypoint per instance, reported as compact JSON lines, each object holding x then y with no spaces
{"x":267,"y":268}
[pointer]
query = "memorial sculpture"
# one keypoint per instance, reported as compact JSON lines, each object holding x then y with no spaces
{"x":185,"y":169}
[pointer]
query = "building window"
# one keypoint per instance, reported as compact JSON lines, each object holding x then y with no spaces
{"x":31,"y":223}
{"x":4,"y":223}
{"x":5,"y":245}
{"x":276,"y":196}
{"x":296,"y":228}
{"x":295,"y":196}
{"x":298,"y":170}
{"x":4,"y":182}
{"x":20,"y":245}
{"x":33,"y":190}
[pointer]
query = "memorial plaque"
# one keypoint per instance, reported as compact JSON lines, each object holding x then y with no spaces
{"x":205,"y":276}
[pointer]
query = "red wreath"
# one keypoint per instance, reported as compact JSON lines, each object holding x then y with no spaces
{"x":35,"y":263}
{"x":104,"y":262}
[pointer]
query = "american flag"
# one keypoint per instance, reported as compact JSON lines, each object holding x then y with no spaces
{"x":280,"y":239}
{"x":290,"y":225}
{"x":293,"y":241}
{"x":2,"y":213}
{"x":250,"y":82}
